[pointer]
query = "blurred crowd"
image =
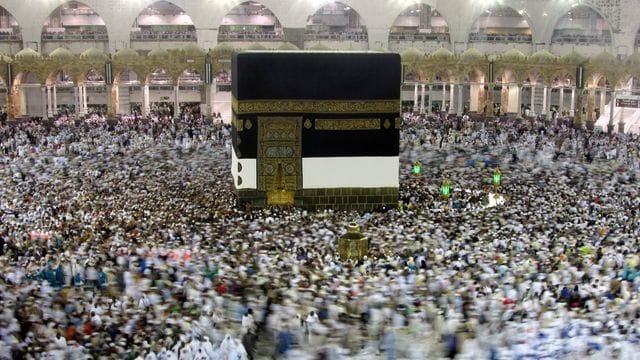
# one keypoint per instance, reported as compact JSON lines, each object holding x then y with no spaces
{"x":122,"y":240}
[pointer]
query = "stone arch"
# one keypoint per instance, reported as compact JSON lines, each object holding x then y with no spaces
{"x":417,"y":10}
{"x":558,"y":36}
{"x":481,"y":29}
{"x":336,"y":20}
{"x":28,"y":77}
{"x":163,"y":20}
{"x":127,"y":73}
{"x":190,"y":76}
{"x":59,"y":77}
{"x":235,"y":28}
{"x":474,"y":75}
{"x":10,"y":26}
{"x":92,"y":75}
{"x":74,"y":20}
{"x":159,"y":76}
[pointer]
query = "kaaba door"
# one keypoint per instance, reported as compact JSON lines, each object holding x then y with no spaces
{"x":279,"y":157}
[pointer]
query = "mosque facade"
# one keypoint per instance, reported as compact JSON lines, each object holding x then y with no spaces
{"x":447,"y":46}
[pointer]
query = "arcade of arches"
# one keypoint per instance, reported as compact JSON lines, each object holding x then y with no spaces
{"x":541,"y":84}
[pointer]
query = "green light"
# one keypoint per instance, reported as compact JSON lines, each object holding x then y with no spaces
{"x":497,"y":177}
{"x":445,"y":189}
{"x":416,"y":169}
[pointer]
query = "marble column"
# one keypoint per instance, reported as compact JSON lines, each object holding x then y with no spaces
{"x":452,"y":95}
{"x":146,"y":111}
{"x":415,"y":98}
{"x":603,"y":100}
{"x":444,"y":97}
{"x":76,"y":101}
{"x":545,"y":101}
{"x":561,"y":106}
{"x":460,"y":99}
{"x":519,"y":105}
{"x":176,"y":102}
{"x":80,"y":102}
{"x":430,"y":99}
{"x":532,"y":112}
{"x":49,"y":102}
{"x":43,"y":101}
{"x":573,"y":101}
{"x":422,"y":97}
{"x":84,"y":99}
{"x":55,"y":101}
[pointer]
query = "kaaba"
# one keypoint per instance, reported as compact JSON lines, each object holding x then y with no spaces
{"x":316,"y":130}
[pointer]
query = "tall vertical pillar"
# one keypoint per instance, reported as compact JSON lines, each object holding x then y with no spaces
{"x":43,"y":101}
{"x":561,"y":107}
{"x":415,"y":97}
{"x":80,"y":102}
{"x":76,"y":101}
{"x":504,"y":99}
{"x":603,"y":100}
{"x":207,"y":100}
{"x":533,"y":100}
{"x":422,"y":98}
{"x":49,"y":102}
{"x":572,"y":112}
{"x":591,"y":104}
{"x":452,"y":96}
{"x":113,"y":106}
{"x":430,"y":99}
{"x":84,"y":99}
{"x":444,"y":97}
{"x":146,"y":111}
{"x":545,"y":100}
{"x":176,"y":102}
{"x":490,"y":99}
{"x":519,"y":105}
{"x":460,"y":99}
{"x":55,"y":100}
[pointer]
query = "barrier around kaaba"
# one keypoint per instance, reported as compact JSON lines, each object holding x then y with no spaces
{"x":316,"y":129}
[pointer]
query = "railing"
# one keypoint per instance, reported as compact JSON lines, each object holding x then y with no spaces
{"x":582,"y":39}
{"x":440,"y":37}
{"x":342,"y":36}
{"x":65,"y":36}
{"x":10,"y":37}
{"x":509,"y":38}
{"x":251,"y":36}
{"x":164,"y":36}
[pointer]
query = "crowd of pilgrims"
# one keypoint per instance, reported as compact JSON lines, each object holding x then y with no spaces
{"x":123,"y":240}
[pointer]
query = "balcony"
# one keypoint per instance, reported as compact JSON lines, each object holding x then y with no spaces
{"x":440,"y":37}
{"x":164,"y":36}
{"x":251,"y":36}
{"x":580,"y":39}
{"x":500,"y":38}
{"x":71,"y":36}
{"x":341,"y":36}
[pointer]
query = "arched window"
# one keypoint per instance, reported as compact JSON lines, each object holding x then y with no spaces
{"x":163,"y":21}
{"x":582,"y":25}
{"x":336,"y":21}
{"x":419,"y":22}
{"x":74,"y":21}
{"x":501,"y":24}
{"x":9,"y":28}
{"x":250,"y":21}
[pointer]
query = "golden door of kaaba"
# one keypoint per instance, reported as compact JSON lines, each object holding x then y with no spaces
{"x":279,"y":159}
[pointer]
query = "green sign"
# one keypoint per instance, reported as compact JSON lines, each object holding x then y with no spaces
{"x":417,"y":168}
{"x":445,"y":189}
{"x":497,"y":178}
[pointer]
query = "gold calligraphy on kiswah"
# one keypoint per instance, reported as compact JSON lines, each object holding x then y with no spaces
{"x":347,"y":124}
{"x":316,"y":106}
